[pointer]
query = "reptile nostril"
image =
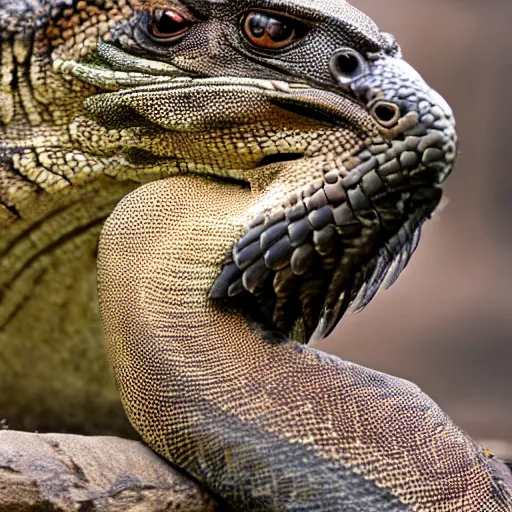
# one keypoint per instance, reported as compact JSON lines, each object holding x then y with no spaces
{"x":347,"y":65}
{"x":386,"y":114}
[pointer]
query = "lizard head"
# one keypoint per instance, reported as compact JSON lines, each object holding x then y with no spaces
{"x":308,"y":103}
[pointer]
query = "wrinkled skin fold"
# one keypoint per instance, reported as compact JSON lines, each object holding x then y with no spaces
{"x":301,"y":160}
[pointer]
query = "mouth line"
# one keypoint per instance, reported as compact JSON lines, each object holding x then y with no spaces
{"x":181,"y":104}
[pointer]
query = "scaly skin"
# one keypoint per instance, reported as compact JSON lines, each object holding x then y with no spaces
{"x":267,"y":426}
{"x":91,"y":106}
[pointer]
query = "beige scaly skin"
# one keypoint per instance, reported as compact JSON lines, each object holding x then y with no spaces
{"x":267,"y":426}
{"x":339,"y":146}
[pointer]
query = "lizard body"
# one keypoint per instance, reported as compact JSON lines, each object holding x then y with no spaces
{"x":267,"y":426}
{"x":329,"y":150}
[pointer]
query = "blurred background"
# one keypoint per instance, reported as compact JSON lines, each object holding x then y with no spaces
{"x":447,"y":323}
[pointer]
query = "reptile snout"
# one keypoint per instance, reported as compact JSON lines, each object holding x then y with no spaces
{"x":416,"y":123}
{"x":336,"y":242}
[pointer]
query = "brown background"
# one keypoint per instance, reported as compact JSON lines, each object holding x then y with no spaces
{"x":447,"y":323}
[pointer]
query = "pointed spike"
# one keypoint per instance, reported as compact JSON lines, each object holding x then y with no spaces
{"x":248,"y":255}
{"x":255,"y":276}
{"x":373,"y":284}
{"x":310,"y":297}
{"x":339,"y":282}
{"x":332,"y":317}
{"x":236,"y":288}
{"x":271,"y":235}
{"x":302,"y":258}
{"x":252,"y":235}
{"x":393,"y":272}
{"x":278,"y":256}
{"x":229,"y":273}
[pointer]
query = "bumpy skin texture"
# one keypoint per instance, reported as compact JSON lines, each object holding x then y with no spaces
{"x":335,"y":175}
{"x":71,"y":146}
{"x":266,"y":426}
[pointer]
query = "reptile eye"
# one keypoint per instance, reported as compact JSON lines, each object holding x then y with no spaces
{"x":271,"y":30}
{"x":167,"y":24}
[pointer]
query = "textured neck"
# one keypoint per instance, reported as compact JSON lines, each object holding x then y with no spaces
{"x":266,"y":426}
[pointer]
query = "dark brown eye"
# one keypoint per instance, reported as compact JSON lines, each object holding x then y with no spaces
{"x":271,"y":30}
{"x":167,"y":24}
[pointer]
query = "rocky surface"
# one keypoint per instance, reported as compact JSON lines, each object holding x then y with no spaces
{"x":57,"y":472}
